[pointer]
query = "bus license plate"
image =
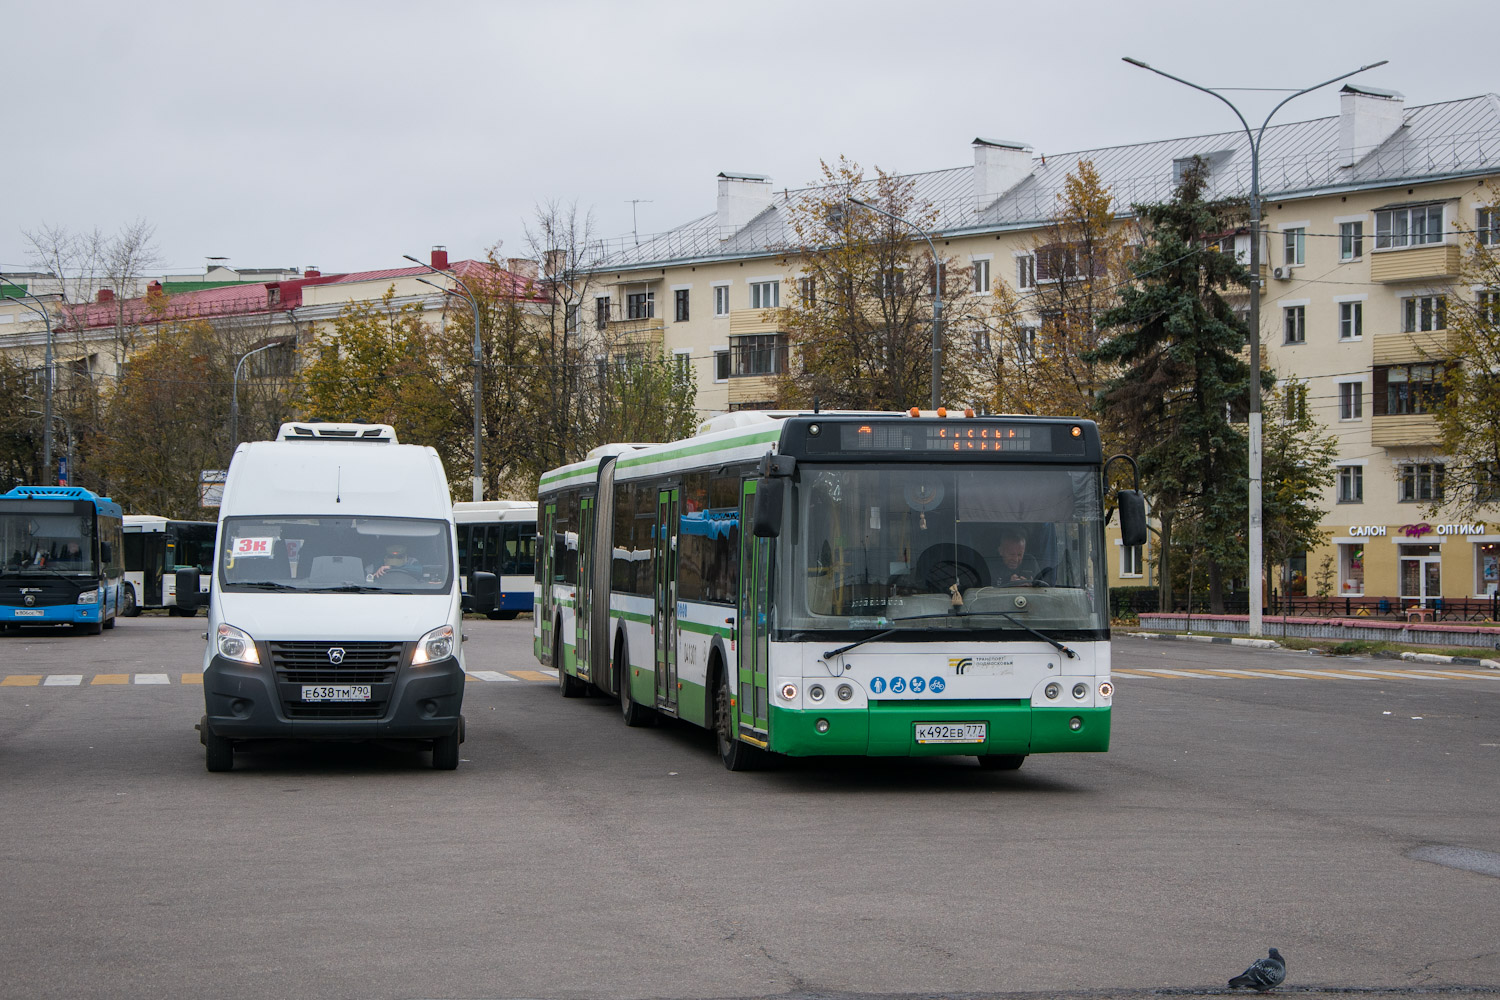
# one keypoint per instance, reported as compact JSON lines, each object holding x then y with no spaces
{"x":27,"y":613}
{"x":950,"y":732}
{"x":335,"y":692}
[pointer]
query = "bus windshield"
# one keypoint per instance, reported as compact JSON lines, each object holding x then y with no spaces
{"x":195,"y":544}
{"x":924,"y":546}
{"x":48,"y":536}
{"x":336,"y":554}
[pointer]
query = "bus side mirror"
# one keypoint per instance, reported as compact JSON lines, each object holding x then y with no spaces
{"x":484,"y":591}
{"x":187,"y":588}
{"x":106,"y":553}
{"x":1132,"y":517}
{"x":768,"y":504}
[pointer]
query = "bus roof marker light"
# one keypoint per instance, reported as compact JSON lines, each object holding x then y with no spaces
{"x":813,"y":430}
{"x":969,"y":411}
{"x":914,"y":412}
{"x":942,"y":411}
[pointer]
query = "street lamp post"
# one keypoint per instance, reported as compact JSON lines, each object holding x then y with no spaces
{"x":1256,"y":548}
{"x":468,"y":293}
{"x":234,"y":397}
{"x":41,"y":311}
{"x":937,"y":298}
{"x":67,"y":426}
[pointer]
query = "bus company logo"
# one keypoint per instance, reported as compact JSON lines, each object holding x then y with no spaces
{"x":960,"y":664}
{"x":336,"y":655}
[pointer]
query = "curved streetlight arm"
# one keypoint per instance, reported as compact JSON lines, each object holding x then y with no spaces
{"x":468,"y":293}
{"x":937,"y":295}
{"x":234,"y":396}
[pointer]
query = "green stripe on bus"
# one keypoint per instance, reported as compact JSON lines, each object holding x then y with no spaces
{"x":631,"y":616}
{"x":688,"y":626}
{"x":762,"y":437}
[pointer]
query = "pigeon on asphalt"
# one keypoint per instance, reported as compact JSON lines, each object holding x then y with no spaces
{"x":1263,"y":974}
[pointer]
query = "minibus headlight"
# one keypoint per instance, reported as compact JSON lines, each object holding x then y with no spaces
{"x":435,"y":645}
{"x":89,"y":596}
{"x":235,"y":644}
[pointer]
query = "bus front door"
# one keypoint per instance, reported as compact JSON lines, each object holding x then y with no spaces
{"x":583,"y":605}
{"x":752,"y":631}
{"x":665,"y":624}
{"x":153,"y":555}
{"x":546,"y":572}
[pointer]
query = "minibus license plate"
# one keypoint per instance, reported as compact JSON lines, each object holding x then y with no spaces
{"x":27,"y":613}
{"x":950,"y":732}
{"x":335,"y":692}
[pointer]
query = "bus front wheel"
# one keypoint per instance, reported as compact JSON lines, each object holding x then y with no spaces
{"x":570,"y":686}
{"x":633,"y":712}
{"x":736,"y":754}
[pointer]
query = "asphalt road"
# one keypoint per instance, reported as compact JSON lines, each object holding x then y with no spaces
{"x":569,"y":856}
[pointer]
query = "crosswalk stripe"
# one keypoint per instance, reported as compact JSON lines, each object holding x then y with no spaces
{"x":1408,"y":674}
{"x":152,"y":679}
{"x":110,"y":679}
{"x":535,"y":675}
{"x":1131,"y":673}
{"x":21,"y":680}
{"x":193,"y":679}
{"x":1184,"y":673}
{"x":1465,"y":675}
{"x":491,"y":675}
{"x":63,"y":680}
{"x":1273,"y":674}
{"x":1330,"y":674}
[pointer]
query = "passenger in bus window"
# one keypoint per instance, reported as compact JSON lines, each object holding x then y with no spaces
{"x":1016,"y":567}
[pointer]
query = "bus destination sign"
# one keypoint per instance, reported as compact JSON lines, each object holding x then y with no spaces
{"x":963,"y":436}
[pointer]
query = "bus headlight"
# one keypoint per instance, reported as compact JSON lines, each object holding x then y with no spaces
{"x":1053,"y":690}
{"x":89,"y":596}
{"x":435,"y":645}
{"x":815,"y":692}
{"x":235,"y":644}
{"x":1080,"y":690}
{"x":845,"y":692}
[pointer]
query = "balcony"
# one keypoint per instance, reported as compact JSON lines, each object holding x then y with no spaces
{"x":744,"y":322}
{"x":1405,"y":430}
{"x":752,"y":389}
{"x":634,"y":335}
{"x":1415,"y":263}
{"x":1412,"y":348}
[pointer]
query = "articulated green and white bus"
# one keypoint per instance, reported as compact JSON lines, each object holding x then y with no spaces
{"x":841,"y":583}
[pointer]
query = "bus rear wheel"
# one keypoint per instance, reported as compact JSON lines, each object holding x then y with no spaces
{"x":567,"y":684}
{"x":736,"y":754}
{"x":128,"y":606}
{"x":1001,"y":761}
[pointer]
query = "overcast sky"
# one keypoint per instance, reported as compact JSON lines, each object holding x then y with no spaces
{"x":344,"y":135}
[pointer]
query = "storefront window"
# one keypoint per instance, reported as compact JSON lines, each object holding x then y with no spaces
{"x":1489,"y":567}
{"x":1294,"y":575}
{"x":1352,"y":570}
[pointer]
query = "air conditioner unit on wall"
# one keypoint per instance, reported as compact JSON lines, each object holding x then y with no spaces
{"x":1281,"y":273}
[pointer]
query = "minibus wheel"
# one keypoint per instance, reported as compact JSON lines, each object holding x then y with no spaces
{"x":218,"y":752}
{"x":445,"y":752}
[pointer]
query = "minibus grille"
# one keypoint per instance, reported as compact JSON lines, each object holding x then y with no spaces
{"x":372,"y":663}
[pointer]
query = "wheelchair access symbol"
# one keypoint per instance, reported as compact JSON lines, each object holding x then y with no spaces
{"x":898,"y":684}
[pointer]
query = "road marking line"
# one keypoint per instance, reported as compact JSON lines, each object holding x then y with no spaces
{"x":1273,"y":675}
{"x":1330,"y":674}
{"x":21,"y":680}
{"x":534,"y":675}
{"x":193,"y":679}
{"x":63,"y":680}
{"x":110,"y":679}
{"x":1410,"y":675}
{"x":152,"y":679}
{"x":1185,"y":673}
{"x":491,"y":675}
{"x":1489,"y":675}
{"x":1130,"y":673}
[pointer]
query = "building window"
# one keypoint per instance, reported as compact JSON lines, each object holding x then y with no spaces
{"x":807,"y":291}
{"x":1408,"y":227}
{"x":640,"y":305}
{"x":763,"y":354}
{"x":1026,"y":344}
{"x":721,"y":300}
{"x":1352,"y":570}
{"x":1487,"y":557}
{"x":1294,"y":323}
{"x":1351,"y":400}
{"x":1351,"y":320}
{"x":1351,"y":240}
{"x":683,"y":359}
{"x":981,"y":276}
{"x":1130,"y":560}
{"x":1351,"y":484}
{"x":721,"y":366}
{"x":1487,"y":307}
{"x":765,"y":294}
{"x":1420,"y":482}
{"x":1296,"y":401}
{"x":601,"y":311}
{"x":1410,"y":388}
{"x":1294,"y":246}
{"x":1487,"y":482}
{"x":680,"y":299}
{"x":1487,"y":227}
{"x":982,"y":341}
{"x":1026,"y":271}
{"x":1424,"y":312}
{"x":570,"y":318}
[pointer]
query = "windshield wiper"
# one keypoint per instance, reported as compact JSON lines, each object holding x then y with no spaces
{"x":955,"y":613}
{"x":265,"y":585}
{"x":352,"y":588}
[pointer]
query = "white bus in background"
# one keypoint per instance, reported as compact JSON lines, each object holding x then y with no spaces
{"x":155,"y":549}
{"x":499,"y":537}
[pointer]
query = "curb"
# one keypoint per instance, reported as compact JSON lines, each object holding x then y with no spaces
{"x":1225,"y":639}
{"x":1467,"y":661}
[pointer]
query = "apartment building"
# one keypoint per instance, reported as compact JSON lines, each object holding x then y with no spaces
{"x":1365,"y":216}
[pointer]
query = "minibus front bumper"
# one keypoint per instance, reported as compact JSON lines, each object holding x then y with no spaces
{"x":250,"y":701}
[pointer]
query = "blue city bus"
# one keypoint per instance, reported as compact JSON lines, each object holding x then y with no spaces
{"x":61,"y":558}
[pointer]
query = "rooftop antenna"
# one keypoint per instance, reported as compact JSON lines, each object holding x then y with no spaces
{"x":634,"y":230}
